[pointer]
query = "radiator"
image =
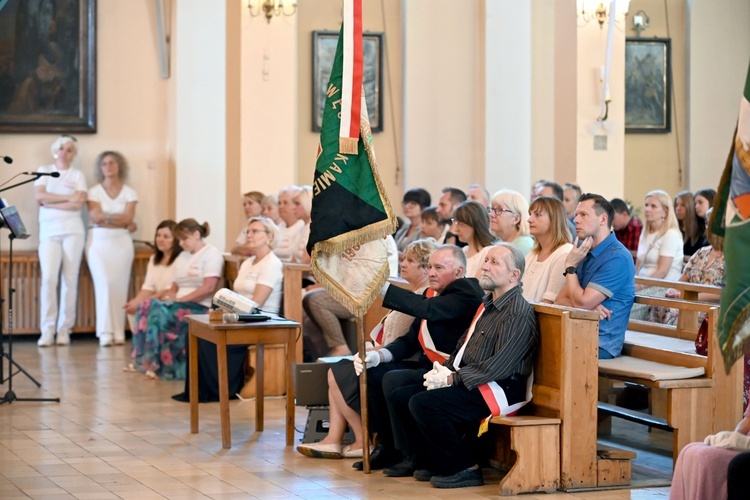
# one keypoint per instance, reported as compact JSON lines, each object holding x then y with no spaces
{"x":27,"y":283}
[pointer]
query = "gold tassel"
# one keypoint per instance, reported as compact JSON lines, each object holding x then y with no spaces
{"x":484,"y":426}
{"x":348,"y":146}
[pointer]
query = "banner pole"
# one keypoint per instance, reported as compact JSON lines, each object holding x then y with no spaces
{"x":363,"y":396}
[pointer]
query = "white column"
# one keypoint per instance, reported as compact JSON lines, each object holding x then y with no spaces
{"x":508,"y":95}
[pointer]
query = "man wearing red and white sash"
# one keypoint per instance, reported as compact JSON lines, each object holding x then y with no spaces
{"x":489,"y":373}
{"x":443,"y":313}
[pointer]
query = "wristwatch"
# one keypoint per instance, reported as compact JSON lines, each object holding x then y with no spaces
{"x":569,"y":270}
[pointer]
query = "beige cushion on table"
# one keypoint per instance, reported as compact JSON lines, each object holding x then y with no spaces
{"x":649,"y":370}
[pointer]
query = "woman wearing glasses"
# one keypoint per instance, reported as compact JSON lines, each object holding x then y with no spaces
{"x":508,"y":219}
{"x":545,"y":264}
{"x":258,"y":279}
{"x":61,"y":240}
{"x":471,"y":224}
{"x":415,"y":200}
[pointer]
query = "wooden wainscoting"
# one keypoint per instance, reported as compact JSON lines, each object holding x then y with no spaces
{"x":27,"y":283}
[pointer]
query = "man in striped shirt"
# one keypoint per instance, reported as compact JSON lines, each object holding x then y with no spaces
{"x":488,"y":373}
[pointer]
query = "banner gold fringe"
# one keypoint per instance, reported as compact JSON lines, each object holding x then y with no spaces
{"x":348,"y":146}
{"x":339,"y":294}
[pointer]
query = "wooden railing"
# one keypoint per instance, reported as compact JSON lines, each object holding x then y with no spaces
{"x":27,"y":283}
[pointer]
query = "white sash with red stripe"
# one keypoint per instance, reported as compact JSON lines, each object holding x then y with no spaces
{"x":493,"y":394}
{"x":353,"y":71}
{"x":425,"y":340}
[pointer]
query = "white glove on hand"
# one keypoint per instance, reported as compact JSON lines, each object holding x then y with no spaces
{"x":437,"y":378}
{"x":372,"y":358}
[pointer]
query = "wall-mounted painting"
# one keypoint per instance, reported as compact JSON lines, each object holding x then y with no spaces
{"x":324,"y":50}
{"x":47,"y":66}
{"x":647,"y":85}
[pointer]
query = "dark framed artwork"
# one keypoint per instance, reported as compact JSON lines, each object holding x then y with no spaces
{"x":47,"y":66}
{"x":648,"y":81}
{"x":324,"y":50}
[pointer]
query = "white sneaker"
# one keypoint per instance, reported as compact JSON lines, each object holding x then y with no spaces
{"x":62,"y":339}
{"x":120,"y":340}
{"x":46,"y":340}
{"x":105,"y":339}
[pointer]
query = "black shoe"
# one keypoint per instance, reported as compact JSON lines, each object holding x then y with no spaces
{"x":380,"y":458}
{"x":182,"y":397}
{"x":462,"y":479}
{"x":405,"y":468}
{"x":423,"y":475}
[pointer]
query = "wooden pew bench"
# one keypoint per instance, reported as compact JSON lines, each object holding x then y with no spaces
{"x":690,"y":395}
{"x":552,"y":443}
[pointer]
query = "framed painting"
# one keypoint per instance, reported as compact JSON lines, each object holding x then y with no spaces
{"x":47,"y":66}
{"x":324,"y":50}
{"x":648,"y":81}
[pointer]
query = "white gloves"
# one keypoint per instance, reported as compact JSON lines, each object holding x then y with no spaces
{"x":437,"y":378}
{"x":372,"y":358}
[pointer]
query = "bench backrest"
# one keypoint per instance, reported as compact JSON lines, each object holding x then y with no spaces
{"x":566,"y":387}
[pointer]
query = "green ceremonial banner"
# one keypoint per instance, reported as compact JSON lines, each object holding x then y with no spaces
{"x":731,"y":218}
{"x":351,"y":213}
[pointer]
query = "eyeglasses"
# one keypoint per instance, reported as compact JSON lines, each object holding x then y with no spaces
{"x":256,"y":231}
{"x":497,"y":211}
{"x":456,"y":222}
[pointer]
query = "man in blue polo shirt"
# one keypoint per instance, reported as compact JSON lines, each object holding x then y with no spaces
{"x":599,"y":273}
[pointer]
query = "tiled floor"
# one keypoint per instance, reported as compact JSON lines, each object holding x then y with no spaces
{"x":120,"y":435}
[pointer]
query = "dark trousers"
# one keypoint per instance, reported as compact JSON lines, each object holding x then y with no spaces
{"x":738,"y":477}
{"x":348,"y":382}
{"x":447,"y":420}
{"x":399,"y":386}
{"x":208,"y":371}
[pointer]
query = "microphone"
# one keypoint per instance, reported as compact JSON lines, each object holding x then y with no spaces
{"x":7,"y":159}
{"x":39,"y":174}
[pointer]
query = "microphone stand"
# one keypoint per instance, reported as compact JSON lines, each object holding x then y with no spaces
{"x":10,"y":396}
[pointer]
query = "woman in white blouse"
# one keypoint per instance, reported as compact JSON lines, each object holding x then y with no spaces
{"x":471,"y":223}
{"x":160,"y":339}
{"x":302,"y":204}
{"x":109,"y":249}
{"x":259,"y":279}
{"x":660,"y":249}
{"x":61,"y":240}
{"x":545,"y":264}
{"x":159,"y":270}
{"x":290,"y":226}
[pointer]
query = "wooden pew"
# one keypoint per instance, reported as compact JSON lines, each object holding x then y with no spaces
{"x":552,"y":444}
{"x":691,"y":406}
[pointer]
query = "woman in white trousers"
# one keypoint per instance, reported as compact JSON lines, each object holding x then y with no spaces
{"x":109,"y":249}
{"x":61,"y":239}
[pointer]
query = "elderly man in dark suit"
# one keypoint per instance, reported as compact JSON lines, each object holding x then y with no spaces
{"x":443,"y":313}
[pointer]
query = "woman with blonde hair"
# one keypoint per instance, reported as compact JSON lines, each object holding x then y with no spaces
{"x":343,"y":396}
{"x":509,"y":219}
{"x":160,"y":336}
{"x":109,"y":249}
{"x":302,"y":206}
{"x":61,"y":240}
{"x":259,"y":279}
{"x":471,"y":224}
{"x":545,"y":264}
{"x":660,"y":251}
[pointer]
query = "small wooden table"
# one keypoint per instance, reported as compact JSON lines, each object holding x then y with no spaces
{"x":279,"y":331}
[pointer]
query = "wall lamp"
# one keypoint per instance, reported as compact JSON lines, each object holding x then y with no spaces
{"x":599,"y":9}
{"x":272,"y":8}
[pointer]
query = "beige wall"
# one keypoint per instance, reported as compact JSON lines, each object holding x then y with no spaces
{"x":133,"y":117}
{"x":658,"y":161}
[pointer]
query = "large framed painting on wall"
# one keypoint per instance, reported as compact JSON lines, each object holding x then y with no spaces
{"x":648,"y":83}
{"x":324,"y":51}
{"x":47,"y":66}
